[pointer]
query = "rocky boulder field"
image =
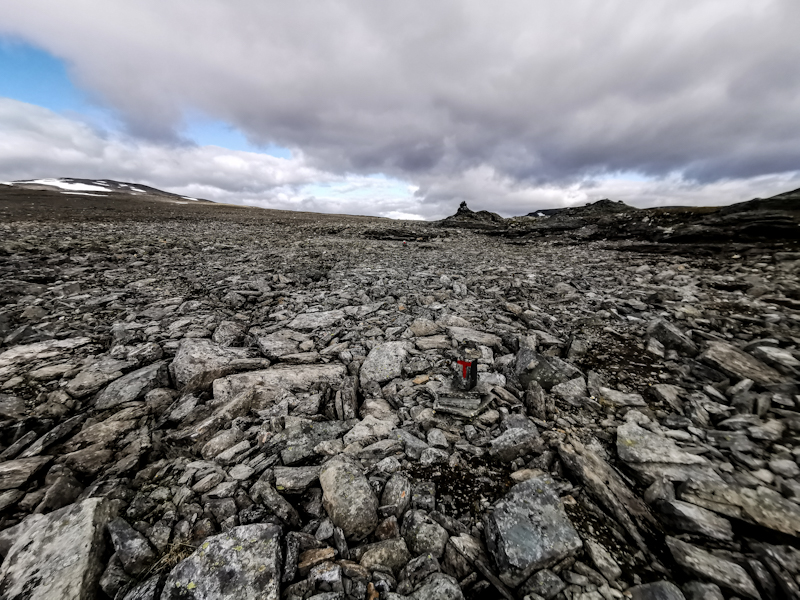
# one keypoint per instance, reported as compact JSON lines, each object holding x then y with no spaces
{"x":210,"y":401}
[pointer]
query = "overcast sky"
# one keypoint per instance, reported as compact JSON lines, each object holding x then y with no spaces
{"x":404,"y":109}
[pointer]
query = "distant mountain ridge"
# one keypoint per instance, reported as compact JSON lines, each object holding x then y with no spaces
{"x":97,"y":187}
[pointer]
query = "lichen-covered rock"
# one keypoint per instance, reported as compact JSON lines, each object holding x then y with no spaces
{"x":348,"y":498}
{"x":384,"y":362}
{"x":529,"y":530}
{"x":243,"y":563}
{"x":57,"y":555}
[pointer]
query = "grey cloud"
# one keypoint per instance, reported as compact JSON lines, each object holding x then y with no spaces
{"x":540,"y":94}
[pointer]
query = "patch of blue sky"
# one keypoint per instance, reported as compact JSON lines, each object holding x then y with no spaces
{"x":205,"y":131}
{"x":33,"y":75}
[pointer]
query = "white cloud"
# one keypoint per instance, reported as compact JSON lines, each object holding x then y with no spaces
{"x":39,"y":143}
{"x":541,"y":94}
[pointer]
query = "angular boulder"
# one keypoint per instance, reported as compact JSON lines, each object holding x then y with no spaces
{"x":317,"y":320}
{"x":348,"y":498}
{"x":529,"y":530}
{"x":384,"y":362}
{"x":197,"y":357}
{"x":287,"y":377}
{"x":133,"y":386}
{"x":58,"y":555}
{"x":243,"y":563}
{"x":739,"y":365}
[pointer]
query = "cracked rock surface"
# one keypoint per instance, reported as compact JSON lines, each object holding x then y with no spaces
{"x":219,"y":402}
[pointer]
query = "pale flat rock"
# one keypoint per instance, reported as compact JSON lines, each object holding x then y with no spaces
{"x":133,"y":386}
{"x":40,"y":350}
{"x":15,"y":473}
{"x":465,"y":334}
{"x":433,"y":342}
{"x":638,"y":445}
{"x":196,"y":357}
{"x":735,"y":363}
{"x":762,"y":505}
{"x":723,"y":572}
{"x":243,"y":563}
{"x":317,"y":320}
{"x":95,"y":376}
{"x":289,"y":377}
{"x":384,"y":362}
{"x":58,"y":556}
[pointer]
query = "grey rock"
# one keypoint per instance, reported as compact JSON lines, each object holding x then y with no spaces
{"x":619,"y":399}
{"x":58,"y":555}
{"x":243,"y":563}
{"x":481,"y":338}
{"x":529,"y":530}
{"x":279,"y":377}
{"x":658,"y":590}
{"x":438,"y":586}
{"x":397,"y":493}
{"x":547,"y":371}
{"x":414,"y":447}
{"x":423,"y":535}
{"x":762,"y":505}
{"x":318,"y":320}
{"x":572,"y":391}
{"x":133,"y":386}
{"x":544,"y":583}
{"x":695,"y":519}
{"x":196,"y":358}
{"x":40,"y":350}
{"x":391,"y":553}
{"x":603,"y":560}
{"x":433,"y":456}
{"x":131,"y":547}
{"x":514,"y":443}
{"x":384,"y":362}
{"x":294,"y":480}
{"x":348,"y":498}
{"x":671,"y":337}
{"x":228,"y":333}
{"x":95,"y":376}
{"x":723,"y":572}
{"x":696,"y":590}
{"x":732,"y":361}
{"x":263,"y":491}
{"x":15,"y":473}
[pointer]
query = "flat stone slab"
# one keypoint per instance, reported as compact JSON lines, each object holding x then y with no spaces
{"x":133,"y":386}
{"x":198,"y":356}
{"x":40,"y":350}
{"x":732,"y":361}
{"x":15,"y":473}
{"x":529,"y":530}
{"x":707,"y":566}
{"x":636,"y":444}
{"x":465,"y":334}
{"x":317,"y":320}
{"x":761,"y":505}
{"x":300,"y":377}
{"x":57,"y":556}
{"x":243,"y":564}
{"x":384,"y":362}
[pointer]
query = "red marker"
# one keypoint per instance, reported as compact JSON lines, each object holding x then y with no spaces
{"x":464,"y":364}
